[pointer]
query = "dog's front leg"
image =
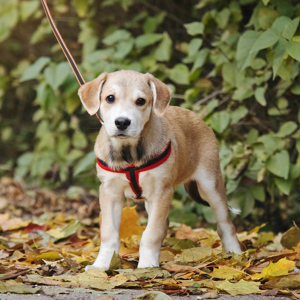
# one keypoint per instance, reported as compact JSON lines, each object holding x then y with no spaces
{"x":111,"y":204}
{"x":157,"y":207}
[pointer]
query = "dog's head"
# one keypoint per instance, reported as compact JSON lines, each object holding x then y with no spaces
{"x":125,"y":100}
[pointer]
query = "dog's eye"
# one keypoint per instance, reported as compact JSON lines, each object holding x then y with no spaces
{"x":110,"y":99}
{"x":140,"y":101}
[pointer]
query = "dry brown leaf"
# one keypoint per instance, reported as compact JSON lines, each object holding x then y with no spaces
{"x":186,"y":232}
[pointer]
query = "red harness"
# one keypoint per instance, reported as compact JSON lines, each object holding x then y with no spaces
{"x":132,"y":172}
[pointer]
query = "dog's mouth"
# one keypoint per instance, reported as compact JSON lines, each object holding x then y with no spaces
{"x":121,"y":136}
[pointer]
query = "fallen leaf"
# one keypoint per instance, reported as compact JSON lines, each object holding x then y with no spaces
{"x":194,"y":254}
{"x":273,"y":292}
{"x":291,"y":237}
{"x":186,"y":232}
{"x":227,"y":273}
{"x":61,"y":233}
{"x":288,"y":282}
{"x":210,"y":295}
{"x":14,"y":287}
{"x":153,"y":296}
{"x":115,"y":262}
{"x":94,"y":278}
{"x":265,"y":237}
{"x":144,"y":273}
{"x":129,"y":223}
{"x":181,"y":269}
{"x":178,"y":244}
{"x":240,"y":288}
{"x":282,"y":267}
{"x":166,"y":255}
{"x":49,"y":256}
{"x":13,"y":224}
{"x":37,"y":279}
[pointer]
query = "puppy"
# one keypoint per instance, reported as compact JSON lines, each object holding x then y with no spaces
{"x":144,"y":149}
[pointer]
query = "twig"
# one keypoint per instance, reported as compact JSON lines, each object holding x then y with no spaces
{"x":14,"y":274}
{"x":208,"y":97}
{"x":147,"y":4}
{"x":177,"y":96}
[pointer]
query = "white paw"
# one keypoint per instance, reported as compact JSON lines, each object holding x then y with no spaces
{"x":91,"y":267}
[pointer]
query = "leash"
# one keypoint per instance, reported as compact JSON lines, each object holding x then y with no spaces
{"x":65,"y":50}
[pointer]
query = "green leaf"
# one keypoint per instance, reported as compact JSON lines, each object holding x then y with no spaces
{"x":279,"y":164}
{"x":79,"y":140}
{"x":116,"y":36}
{"x":163,"y":51}
{"x":247,"y":204}
{"x":25,"y":159}
{"x":266,"y":17}
{"x":194,"y":28}
{"x":243,"y":55}
{"x":194,"y":46}
{"x":179,"y":74}
{"x":81,"y":7}
{"x":284,"y":185}
{"x":293,"y":49}
{"x":238,"y":114}
{"x":258,"y":192}
{"x":296,"y":91}
{"x":147,"y":39}
{"x":220,"y":121}
{"x":265,"y":40}
{"x":287,"y":128}
{"x":34,"y":70}
{"x":55,"y":75}
{"x":200,"y":59}
{"x":279,"y":52}
{"x":27,"y":8}
{"x":260,"y":96}
{"x":86,"y":163}
{"x":290,"y":29}
{"x":124,"y":48}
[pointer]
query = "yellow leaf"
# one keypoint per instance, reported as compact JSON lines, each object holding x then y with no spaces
{"x":94,"y":278}
{"x":129,"y":223}
{"x":282,"y":267}
{"x":49,"y":256}
{"x":288,"y":282}
{"x":227,"y":273}
{"x":240,"y":288}
{"x":194,"y":254}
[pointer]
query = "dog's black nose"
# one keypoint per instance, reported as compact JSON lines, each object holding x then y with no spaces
{"x":122,"y":123}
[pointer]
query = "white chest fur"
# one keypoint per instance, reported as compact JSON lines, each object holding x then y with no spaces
{"x":150,"y":181}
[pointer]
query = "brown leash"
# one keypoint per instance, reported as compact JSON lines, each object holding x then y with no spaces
{"x":65,"y":49}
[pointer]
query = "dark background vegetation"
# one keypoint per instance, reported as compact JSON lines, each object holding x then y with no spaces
{"x":235,"y":63}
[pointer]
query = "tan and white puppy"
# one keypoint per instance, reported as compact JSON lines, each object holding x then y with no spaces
{"x":138,"y":125}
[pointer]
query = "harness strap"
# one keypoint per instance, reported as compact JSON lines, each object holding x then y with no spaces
{"x":132,"y":172}
{"x":65,"y":49}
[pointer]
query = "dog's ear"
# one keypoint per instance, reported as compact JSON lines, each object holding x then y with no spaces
{"x":89,"y":93}
{"x":161,"y":95}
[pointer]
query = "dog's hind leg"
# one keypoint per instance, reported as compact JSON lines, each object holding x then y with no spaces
{"x":211,"y":188}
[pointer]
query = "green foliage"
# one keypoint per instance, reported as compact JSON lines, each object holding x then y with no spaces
{"x":235,"y":63}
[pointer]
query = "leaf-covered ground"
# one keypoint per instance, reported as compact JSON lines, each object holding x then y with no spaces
{"x":48,"y":238}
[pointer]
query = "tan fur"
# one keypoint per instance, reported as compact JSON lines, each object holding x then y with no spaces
{"x":194,"y":156}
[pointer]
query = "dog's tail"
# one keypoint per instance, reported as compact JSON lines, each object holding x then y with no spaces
{"x":192,"y":189}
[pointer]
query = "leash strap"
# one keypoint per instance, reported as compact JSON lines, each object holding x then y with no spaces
{"x":65,"y":49}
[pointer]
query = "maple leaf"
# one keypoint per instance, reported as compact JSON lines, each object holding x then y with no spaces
{"x":282,"y":267}
{"x":240,"y":288}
